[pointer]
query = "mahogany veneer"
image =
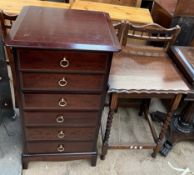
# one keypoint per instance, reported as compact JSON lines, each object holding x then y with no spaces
{"x":62,"y":63}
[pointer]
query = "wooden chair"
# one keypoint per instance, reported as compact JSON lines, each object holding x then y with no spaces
{"x":6,"y":22}
{"x":142,"y":73}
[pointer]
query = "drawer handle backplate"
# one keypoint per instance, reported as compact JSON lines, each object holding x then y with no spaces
{"x":60,"y":119}
{"x":62,"y":82}
{"x":60,"y":148}
{"x":62,"y":102}
{"x":64,"y":63}
{"x":61,"y":134}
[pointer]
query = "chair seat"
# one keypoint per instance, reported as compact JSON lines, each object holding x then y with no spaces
{"x":145,"y":70}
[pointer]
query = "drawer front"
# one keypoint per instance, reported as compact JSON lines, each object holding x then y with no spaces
{"x":61,"y":118}
{"x":62,"y":60}
{"x":60,"y":133}
{"x":59,"y":147}
{"x":62,"y":81}
{"x":62,"y":101}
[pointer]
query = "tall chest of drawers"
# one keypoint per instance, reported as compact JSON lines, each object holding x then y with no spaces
{"x":62,"y":58}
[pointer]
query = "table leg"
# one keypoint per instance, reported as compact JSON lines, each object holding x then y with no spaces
{"x":112,"y":108}
{"x":181,"y":128}
{"x":166,"y":123}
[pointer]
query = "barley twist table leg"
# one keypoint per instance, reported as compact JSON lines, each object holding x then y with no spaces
{"x":113,"y":106}
{"x":165,"y":126}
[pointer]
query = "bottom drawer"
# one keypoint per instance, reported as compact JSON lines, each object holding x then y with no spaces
{"x":59,"y":147}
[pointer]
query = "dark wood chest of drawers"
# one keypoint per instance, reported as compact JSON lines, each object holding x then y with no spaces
{"x":62,"y":72}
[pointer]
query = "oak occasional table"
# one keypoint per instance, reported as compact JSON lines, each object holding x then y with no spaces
{"x":143,"y":74}
{"x":62,"y":63}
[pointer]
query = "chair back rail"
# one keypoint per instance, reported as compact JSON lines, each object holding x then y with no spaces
{"x":150,"y":32}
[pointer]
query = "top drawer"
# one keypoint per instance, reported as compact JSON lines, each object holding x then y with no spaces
{"x":62,"y":60}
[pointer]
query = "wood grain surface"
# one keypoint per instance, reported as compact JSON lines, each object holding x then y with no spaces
{"x":145,"y":71}
{"x":15,"y":6}
{"x":116,"y":12}
{"x":61,"y":30}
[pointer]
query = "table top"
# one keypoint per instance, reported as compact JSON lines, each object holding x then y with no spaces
{"x":117,"y":12}
{"x":15,"y":6}
{"x":37,"y":27}
{"x":145,"y":72}
{"x":184,"y":57}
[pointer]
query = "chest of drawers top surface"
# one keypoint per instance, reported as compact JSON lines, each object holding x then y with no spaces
{"x":39,"y":27}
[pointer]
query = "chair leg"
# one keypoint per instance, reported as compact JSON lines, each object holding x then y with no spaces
{"x":165,"y":126}
{"x":13,"y":71}
{"x":144,"y":101}
{"x":112,"y":109}
{"x":141,"y":108}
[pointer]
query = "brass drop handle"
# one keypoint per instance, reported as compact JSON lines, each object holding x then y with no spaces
{"x":60,"y":119}
{"x":62,"y":102}
{"x":60,"y":148}
{"x":62,"y":82}
{"x":61,"y":134}
{"x":64,"y":63}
